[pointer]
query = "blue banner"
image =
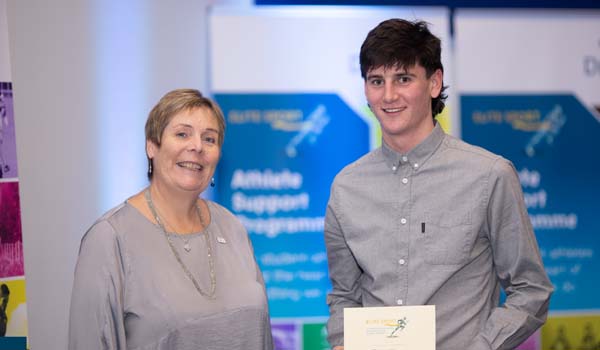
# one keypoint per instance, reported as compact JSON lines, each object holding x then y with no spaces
{"x":553,"y":142}
{"x":280,"y":155}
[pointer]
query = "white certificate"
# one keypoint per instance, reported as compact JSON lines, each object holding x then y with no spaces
{"x":389,"y":328}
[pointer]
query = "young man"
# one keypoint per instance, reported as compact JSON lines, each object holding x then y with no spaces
{"x":427,"y":219}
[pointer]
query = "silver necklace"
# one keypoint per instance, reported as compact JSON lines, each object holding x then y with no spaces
{"x":211,"y":263}
{"x":186,"y":241}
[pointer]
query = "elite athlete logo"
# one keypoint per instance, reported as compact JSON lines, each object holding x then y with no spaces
{"x":400,"y":325}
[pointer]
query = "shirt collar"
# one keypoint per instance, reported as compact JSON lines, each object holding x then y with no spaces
{"x":418,"y":155}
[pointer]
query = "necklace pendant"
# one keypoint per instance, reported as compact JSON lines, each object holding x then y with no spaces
{"x":187,"y":247}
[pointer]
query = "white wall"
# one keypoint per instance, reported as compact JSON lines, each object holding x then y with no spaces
{"x":85,"y":75}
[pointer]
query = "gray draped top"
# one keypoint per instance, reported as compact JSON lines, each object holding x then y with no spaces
{"x":131,"y":293}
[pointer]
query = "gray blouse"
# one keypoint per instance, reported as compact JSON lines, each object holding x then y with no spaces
{"x":131,"y":293}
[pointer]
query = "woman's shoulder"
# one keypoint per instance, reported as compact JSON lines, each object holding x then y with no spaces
{"x":116,"y":211}
{"x":225,"y":219}
{"x":105,"y":227}
{"x":219,"y":212}
{"x":101,"y":240}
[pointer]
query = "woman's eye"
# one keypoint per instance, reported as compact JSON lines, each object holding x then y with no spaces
{"x":181,"y":135}
{"x":210,"y":139}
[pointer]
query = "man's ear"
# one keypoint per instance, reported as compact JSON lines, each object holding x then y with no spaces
{"x":436,"y":80}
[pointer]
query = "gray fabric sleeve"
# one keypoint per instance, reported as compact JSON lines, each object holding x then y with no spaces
{"x":344,"y":273}
{"x":96,"y":315}
{"x":517,"y":263}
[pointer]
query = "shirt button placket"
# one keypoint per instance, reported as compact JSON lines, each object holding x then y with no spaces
{"x":402,"y":253}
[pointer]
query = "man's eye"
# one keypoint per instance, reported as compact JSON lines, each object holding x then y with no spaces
{"x":404,"y":80}
{"x":376,"y":82}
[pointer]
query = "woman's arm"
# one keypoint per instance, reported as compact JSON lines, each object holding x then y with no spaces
{"x":96,"y":315}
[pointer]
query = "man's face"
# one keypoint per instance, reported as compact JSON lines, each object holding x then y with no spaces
{"x":401,"y":100}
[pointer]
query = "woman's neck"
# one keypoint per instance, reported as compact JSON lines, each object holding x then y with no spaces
{"x":178,"y":210}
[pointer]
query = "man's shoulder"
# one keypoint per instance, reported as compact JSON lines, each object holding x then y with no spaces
{"x":476,"y":157}
{"x":470,"y":151}
{"x":361,"y":165}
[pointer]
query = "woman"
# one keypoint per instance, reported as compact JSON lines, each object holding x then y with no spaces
{"x":165,"y":269}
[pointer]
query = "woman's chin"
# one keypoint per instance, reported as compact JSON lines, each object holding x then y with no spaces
{"x":194,"y":187}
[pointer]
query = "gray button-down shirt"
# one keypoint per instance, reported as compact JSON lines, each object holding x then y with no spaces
{"x":443,"y":225}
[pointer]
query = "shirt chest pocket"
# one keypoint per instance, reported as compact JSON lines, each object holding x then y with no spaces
{"x":448,"y":237}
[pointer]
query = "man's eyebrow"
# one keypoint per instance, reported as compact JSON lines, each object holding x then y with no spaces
{"x":373,"y":75}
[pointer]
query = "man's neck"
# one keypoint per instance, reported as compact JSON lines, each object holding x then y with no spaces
{"x":404,"y":143}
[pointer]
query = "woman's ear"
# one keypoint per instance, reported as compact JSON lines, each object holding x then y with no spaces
{"x":151,"y":149}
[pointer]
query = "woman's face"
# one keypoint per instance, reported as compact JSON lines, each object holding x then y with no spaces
{"x":189,"y":151}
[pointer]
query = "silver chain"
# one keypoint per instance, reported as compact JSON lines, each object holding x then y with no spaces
{"x":211,"y":263}
{"x":186,"y":241}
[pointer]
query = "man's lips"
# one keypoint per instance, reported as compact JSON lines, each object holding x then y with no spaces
{"x":393,"y":110}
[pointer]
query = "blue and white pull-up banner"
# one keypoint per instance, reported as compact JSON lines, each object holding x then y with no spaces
{"x":553,"y":142}
{"x":530,"y":91}
{"x":289,"y":84}
{"x":280,"y":155}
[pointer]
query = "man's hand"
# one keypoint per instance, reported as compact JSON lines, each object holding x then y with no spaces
{"x":339,"y":347}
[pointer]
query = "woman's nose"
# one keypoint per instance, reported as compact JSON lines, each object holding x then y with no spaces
{"x":196,"y":144}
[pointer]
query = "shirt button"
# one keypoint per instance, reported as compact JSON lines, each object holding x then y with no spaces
{"x":401,"y":261}
{"x":416,"y":165}
{"x":405,"y":181}
{"x":403,"y":221}
{"x":399,"y":302}
{"x":394,"y":168}
{"x":404,"y":158}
